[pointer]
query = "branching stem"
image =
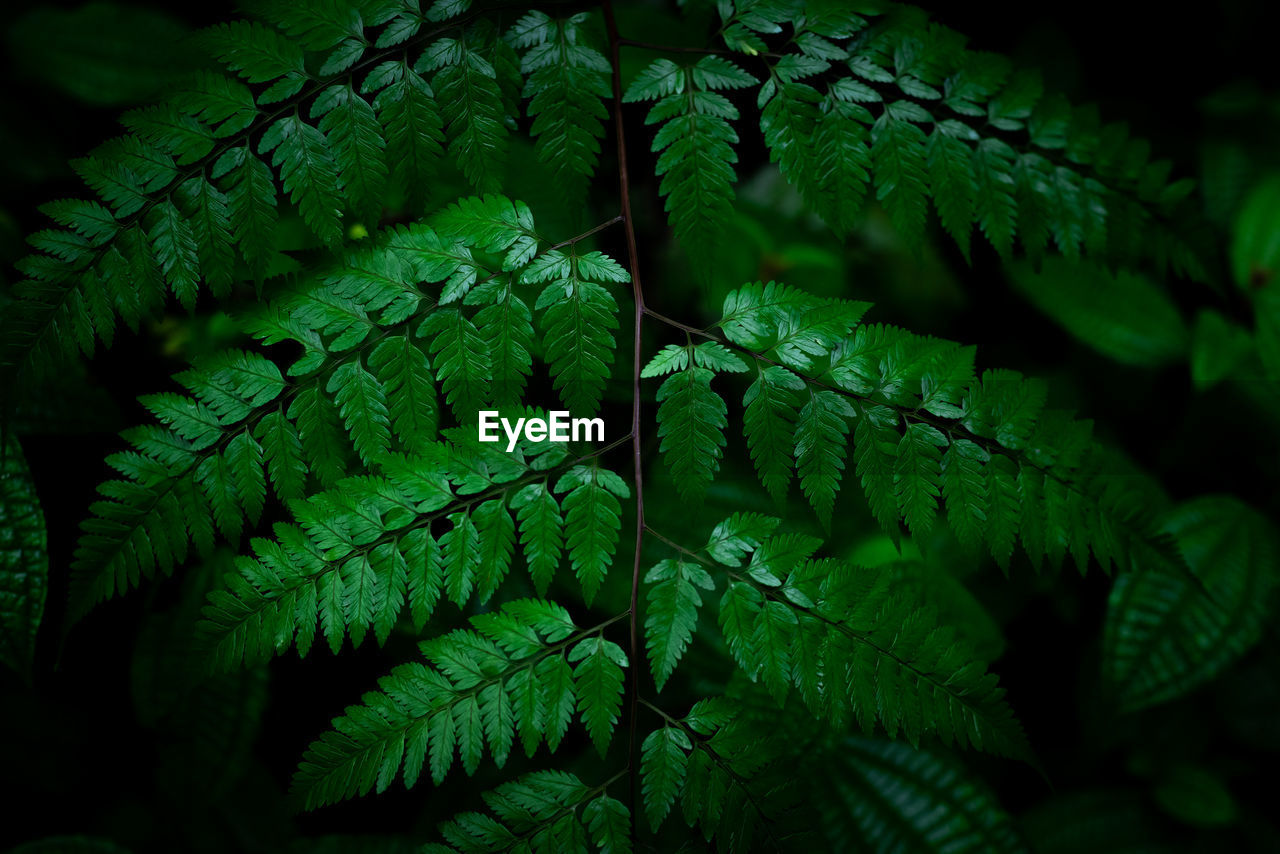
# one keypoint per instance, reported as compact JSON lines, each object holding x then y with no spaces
{"x":637,"y":292}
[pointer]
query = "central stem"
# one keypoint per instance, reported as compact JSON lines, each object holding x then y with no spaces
{"x":624,"y":190}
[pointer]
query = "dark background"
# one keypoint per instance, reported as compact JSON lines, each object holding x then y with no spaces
{"x":77,"y":758}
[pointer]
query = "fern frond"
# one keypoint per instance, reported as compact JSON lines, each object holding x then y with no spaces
{"x":820,"y":449}
{"x":1172,"y":627}
{"x":477,"y":690}
{"x":855,"y":648}
{"x":696,"y":143}
{"x":771,"y":405}
{"x":591,"y":514}
{"x":355,"y":137}
{"x":24,"y":561}
{"x":468,"y":76}
{"x":363,"y":383}
{"x":718,"y":767}
{"x":664,"y":763}
{"x":946,"y":123}
{"x":904,"y":798}
{"x":546,"y":812}
{"x":577,"y":326}
{"x":190,"y":179}
{"x":672,"y":613}
{"x":363,"y":550}
{"x":691,"y":422}
{"x":566,"y":80}
{"x":927,"y":433}
{"x":410,"y":117}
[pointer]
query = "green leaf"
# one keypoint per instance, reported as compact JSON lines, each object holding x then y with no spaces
{"x":769,"y":424}
{"x":691,"y":422}
{"x":1124,"y":316}
{"x":207,"y":208}
{"x":404,"y":373}
{"x":308,"y":173}
{"x":936,"y":805}
{"x":597,"y":679}
{"x":175,"y":247}
{"x":994,"y":202}
{"x":362,"y":402}
{"x":566,"y":84}
{"x":664,"y":760}
{"x":738,"y":535}
{"x":24,"y":561}
{"x":1255,"y":249}
{"x":541,"y":532}
{"x":411,"y":122}
{"x":898,"y":155}
{"x":282,"y":450}
{"x":1218,"y":347}
{"x":610,"y":825}
{"x":591,"y":513}
{"x":965,"y":491}
{"x":577,"y":326}
{"x":918,"y":475}
{"x":844,"y":163}
{"x":669,"y":358}
{"x":251,"y":204}
{"x":1173,"y":626}
{"x":952,"y":183}
{"x":461,"y":361}
{"x":359,"y":150}
{"x":460,"y":548}
{"x":497,"y":532}
{"x":672,"y":613}
{"x":507,"y":329}
{"x":1197,"y":797}
{"x":820,"y":439}
{"x":471,"y":105}
{"x":717,"y":357}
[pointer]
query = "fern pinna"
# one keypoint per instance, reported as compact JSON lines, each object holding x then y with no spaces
{"x":337,"y":448}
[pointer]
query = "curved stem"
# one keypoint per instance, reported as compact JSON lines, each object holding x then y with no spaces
{"x":624,"y":191}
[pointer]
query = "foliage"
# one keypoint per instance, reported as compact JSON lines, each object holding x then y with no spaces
{"x":345,"y":184}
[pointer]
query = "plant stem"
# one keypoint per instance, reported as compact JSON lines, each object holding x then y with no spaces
{"x":633,"y":256}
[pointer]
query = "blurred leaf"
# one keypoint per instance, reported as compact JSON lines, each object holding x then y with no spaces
{"x":1226,"y":171}
{"x":1255,"y":245}
{"x":1218,"y":346}
{"x":24,"y":561}
{"x":1124,"y":316}
{"x":1195,"y":796}
{"x":884,"y":796}
{"x":1097,"y":822}
{"x":106,"y":54}
{"x":1172,"y":628}
{"x":1266,"y":319}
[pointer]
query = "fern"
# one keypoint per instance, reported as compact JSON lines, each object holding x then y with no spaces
{"x":539,"y":812}
{"x":696,"y":140}
{"x":25,"y":565}
{"x":521,"y":671}
{"x":1151,"y":650}
{"x":358,"y":327}
{"x":790,"y":621}
{"x":354,"y":161}
{"x":864,"y":792}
